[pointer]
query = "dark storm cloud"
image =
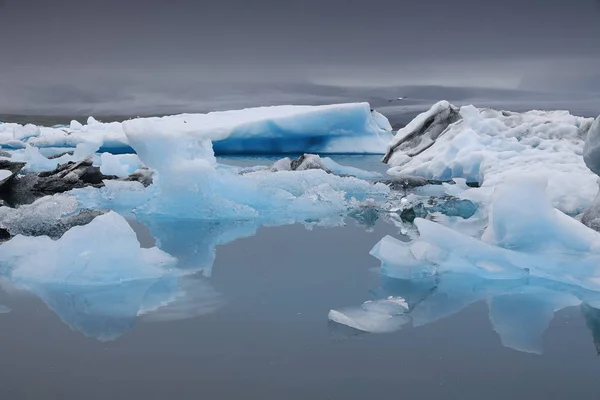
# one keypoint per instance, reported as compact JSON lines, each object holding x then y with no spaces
{"x":140,"y":55}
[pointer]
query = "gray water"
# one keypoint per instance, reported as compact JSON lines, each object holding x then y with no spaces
{"x":255,"y":326}
{"x":269,"y":338}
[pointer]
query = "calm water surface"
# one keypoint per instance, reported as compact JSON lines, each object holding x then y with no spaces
{"x":256,"y":328}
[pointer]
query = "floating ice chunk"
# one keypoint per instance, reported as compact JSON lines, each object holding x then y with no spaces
{"x":104,"y":252}
{"x":526,"y":237}
{"x":377,"y":316}
{"x":338,"y":128}
{"x":189,"y":184}
{"x":493,"y":147}
{"x":523,"y":219}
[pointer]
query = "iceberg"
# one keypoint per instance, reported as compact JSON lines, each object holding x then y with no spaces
{"x":96,"y":277}
{"x":374,"y":316}
{"x":190,"y":184}
{"x":490,"y":147}
{"x":103,"y":252}
{"x":525,"y":237}
{"x":337,"y":128}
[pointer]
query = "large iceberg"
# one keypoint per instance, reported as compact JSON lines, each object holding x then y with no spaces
{"x":525,"y":237}
{"x":491,"y":147}
{"x":531,"y":261}
{"x":338,"y":128}
{"x":189,"y":183}
{"x":98,"y":279}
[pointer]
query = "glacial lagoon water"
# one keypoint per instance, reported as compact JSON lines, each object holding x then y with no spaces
{"x":252,"y":323}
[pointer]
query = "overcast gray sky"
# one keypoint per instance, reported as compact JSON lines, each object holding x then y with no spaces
{"x":152,"y":55}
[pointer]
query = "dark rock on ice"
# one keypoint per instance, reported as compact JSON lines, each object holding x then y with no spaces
{"x":69,"y":176}
{"x":424,"y":130}
{"x":13,"y":167}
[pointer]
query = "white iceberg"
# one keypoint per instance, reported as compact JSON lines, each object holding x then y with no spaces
{"x":105,"y":251}
{"x":338,"y":128}
{"x":189,"y":184}
{"x":525,"y":237}
{"x":492,"y":147}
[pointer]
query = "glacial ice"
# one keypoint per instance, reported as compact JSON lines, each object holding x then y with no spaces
{"x":531,"y":261}
{"x":95,"y":277}
{"x":189,"y":183}
{"x":103,"y":252}
{"x":492,"y":147}
{"x":374,"y":316}
{"x":337,"y":128}
{"x":525,"y":236}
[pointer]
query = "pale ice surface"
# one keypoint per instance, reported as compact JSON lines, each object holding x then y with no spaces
{"x":188,"y":183}
{"x":337,"y":128}
{"x":525,"y":236}
{"x":374,"y":316}
{"x":98,"y":279}
{"x":532,"y":260}
{"x":492,"y":147}
{"x":105,"y":251}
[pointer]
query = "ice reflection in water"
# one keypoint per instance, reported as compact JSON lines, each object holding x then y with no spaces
{"x":519,"y":310}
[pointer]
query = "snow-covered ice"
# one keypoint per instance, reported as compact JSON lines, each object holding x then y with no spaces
{"x":492,"y":147}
